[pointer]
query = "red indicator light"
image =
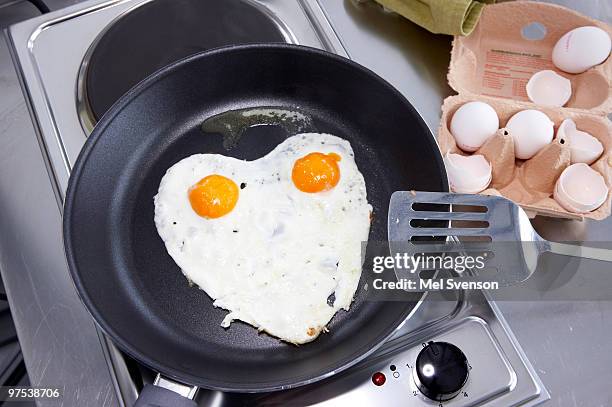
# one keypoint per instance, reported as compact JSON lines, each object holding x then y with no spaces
{"x":378,"y":379}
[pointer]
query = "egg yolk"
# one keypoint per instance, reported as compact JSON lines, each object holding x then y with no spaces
{"x":316,"y":172}
{"x":213,"y":196}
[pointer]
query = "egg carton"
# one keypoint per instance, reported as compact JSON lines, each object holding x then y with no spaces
{"x":532,"y":185}
{"x":511,"y":42}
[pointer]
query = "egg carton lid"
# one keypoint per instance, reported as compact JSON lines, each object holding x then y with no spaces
{"x":512,"y":41}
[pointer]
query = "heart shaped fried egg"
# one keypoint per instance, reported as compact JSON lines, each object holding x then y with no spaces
{"x":275,"y":241}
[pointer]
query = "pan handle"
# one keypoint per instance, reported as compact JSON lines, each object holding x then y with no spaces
{"x":166,"y":393}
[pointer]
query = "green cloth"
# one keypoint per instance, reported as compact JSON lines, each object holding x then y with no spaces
{"x":455,"y":17}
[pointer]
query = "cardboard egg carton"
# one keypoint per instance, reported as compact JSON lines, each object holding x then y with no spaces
{"x":530,"y":183}
{"x":493,"y":65}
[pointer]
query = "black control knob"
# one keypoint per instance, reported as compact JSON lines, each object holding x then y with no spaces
{"x":441,"y":371}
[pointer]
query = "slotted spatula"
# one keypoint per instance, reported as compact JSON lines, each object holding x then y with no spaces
{"x":502,"y":225}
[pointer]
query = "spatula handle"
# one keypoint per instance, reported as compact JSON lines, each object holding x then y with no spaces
{"x":581,"y":251}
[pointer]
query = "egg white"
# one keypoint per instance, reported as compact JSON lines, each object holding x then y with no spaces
{"x":276,"y":258}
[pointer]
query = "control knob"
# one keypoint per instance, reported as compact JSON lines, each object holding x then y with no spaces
{"x":441,"y":371}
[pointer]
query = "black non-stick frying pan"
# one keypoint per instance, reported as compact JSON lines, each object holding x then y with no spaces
{"x":125,"y":277}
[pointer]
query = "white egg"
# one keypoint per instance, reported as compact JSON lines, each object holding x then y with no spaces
{"x":581,"y":48}
{"x":472,"y":124}
{"x":548,"y":88}
{"x":276,"y":258}
{"x":580,"y":189}
{"x":531,"y":130}
{"x":467,"y":174}
{"x":584,"y":147}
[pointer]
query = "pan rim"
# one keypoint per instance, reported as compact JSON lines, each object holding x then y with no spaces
{"x":73,"y":184}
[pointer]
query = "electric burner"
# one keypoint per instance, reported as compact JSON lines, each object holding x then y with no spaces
{"x":160,"y":32}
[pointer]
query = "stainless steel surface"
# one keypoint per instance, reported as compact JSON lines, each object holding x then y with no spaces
{"x":409,"y":57}
{"x":51,"y":322}
{"x":57,"y":336}
{"x":502,"y":221}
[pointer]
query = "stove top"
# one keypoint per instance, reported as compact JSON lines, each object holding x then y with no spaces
{"x":498,"y":372}
{"x":76,"y":62}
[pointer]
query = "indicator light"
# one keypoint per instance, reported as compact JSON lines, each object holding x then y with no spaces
{"x":378,"y":379}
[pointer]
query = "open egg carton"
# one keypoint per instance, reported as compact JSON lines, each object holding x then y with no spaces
{"x":512,"y":42}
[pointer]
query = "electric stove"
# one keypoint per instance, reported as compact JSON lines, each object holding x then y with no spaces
{"x":76,"y":62}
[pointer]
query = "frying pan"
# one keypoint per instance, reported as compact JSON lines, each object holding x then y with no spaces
{"x":122,"y":272}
